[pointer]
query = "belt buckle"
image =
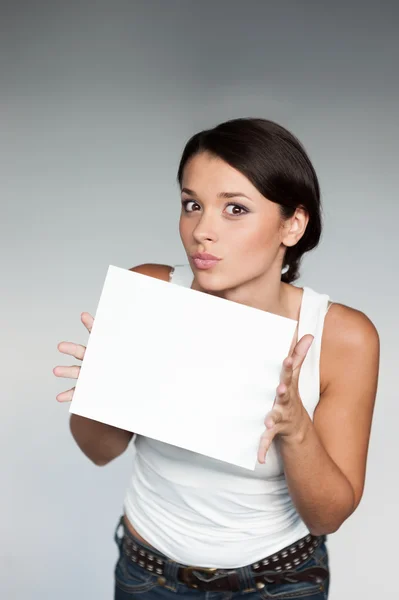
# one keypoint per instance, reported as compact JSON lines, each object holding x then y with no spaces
{"x":189,"y":571}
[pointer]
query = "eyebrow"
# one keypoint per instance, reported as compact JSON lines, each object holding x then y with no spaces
{"x":220,"y":195}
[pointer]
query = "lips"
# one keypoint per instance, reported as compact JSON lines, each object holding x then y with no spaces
{"x":205,"y":256}
{"x":204,"y":260}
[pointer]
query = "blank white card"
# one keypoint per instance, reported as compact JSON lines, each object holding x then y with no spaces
{"x":182,"y":367}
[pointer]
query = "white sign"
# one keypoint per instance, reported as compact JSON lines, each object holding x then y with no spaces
{"x":181,"y":366}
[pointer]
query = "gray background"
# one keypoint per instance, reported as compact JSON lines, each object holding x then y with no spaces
{"x":97,"y":101}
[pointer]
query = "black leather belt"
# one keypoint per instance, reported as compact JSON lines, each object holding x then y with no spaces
{"x":277,"y":568}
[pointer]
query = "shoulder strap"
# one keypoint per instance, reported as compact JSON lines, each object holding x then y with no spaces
{"x":181,"y":275}
{"x":329,"y":306}
{"x":313,"y":311}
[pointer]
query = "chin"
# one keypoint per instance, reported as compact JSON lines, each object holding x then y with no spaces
{"x":212,"y":282}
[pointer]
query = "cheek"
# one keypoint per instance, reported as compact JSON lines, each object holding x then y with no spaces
{"x":184,"y":229}
{"x":251,"y":240}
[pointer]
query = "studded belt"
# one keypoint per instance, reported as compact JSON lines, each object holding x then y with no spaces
{"x":277,"y":568}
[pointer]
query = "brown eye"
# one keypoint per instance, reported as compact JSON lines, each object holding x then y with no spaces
{"x":189,"y":205}
{"x":236,"y":210}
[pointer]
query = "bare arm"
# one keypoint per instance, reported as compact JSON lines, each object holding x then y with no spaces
{"x":98,"y":441}
{"x":325,"y":464}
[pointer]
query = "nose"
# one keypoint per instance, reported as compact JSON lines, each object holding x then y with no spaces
{"x":205,"y":231}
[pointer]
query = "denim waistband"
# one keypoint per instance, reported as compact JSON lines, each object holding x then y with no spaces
{"x":244,"y":574}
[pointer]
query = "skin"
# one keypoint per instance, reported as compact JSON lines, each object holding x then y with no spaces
{"x":324,"y":459}
{"x":100,"y":442}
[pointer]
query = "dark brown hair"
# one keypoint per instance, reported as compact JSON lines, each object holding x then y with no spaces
{"x":276,"y":163}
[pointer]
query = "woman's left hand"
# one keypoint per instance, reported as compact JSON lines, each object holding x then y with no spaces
{"x":288,"y":412}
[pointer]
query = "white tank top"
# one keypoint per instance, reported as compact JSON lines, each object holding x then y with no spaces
{"x":204,"y":512}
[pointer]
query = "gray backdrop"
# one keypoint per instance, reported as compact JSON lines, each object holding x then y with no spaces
{"x":97,"y":101}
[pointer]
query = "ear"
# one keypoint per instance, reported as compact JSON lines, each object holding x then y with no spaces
{"x":294,"y":227}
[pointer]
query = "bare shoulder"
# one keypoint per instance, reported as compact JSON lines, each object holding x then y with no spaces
{"x":348,"y":335}
{"x":348,"y":327}
{"x":154,"y":270}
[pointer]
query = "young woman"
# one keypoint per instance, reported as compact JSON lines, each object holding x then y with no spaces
{"x":199,"y":528}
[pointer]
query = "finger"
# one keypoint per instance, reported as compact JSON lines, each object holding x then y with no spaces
{"x":66,"y":396}
{"x":282,"y":395}
{"x":67,"y":372}
{"x":286,"y":371}
{"x":301,"y":349}
{"x":75,"y":350}
{"x":87,"y":321}
{"x":264,"y":445}
{"x":273,"y":418}
{"x":300,"y":352}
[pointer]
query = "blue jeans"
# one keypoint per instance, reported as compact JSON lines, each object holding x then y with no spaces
{"x":132,"y":581}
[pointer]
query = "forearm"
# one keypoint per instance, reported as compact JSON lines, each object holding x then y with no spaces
{"x":322,"y":494}
{"x":98,"y":441}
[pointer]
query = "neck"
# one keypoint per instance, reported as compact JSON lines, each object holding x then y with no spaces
{"x":266,"y":292}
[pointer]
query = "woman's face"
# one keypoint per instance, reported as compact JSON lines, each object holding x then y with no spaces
{"x":224,"y":215}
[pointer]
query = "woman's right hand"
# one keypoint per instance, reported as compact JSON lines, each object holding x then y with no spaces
{"x":77,"y":351}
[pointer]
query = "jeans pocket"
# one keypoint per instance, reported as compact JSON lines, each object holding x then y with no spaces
{"x":321,"y":556}
{"x":294,"y":591}
{"x":129,"y":576}
{"x":304,"y":589}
